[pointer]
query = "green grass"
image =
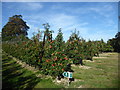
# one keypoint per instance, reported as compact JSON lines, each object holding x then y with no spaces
{"x":46,"y":84}
{"x":16,"y":77}
{"x":102,"y":74}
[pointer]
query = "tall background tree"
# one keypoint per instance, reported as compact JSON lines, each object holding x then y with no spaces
{"x":115,"y":42}
{"x":15,"y":27}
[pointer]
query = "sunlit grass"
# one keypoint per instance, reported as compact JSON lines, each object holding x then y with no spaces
{"x":102,"y":74}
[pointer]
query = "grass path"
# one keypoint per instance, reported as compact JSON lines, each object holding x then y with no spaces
{"x":102,"y":73}
{"x":16,"y":77}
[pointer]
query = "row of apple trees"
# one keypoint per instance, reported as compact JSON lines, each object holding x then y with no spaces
{"x":51,"y":56}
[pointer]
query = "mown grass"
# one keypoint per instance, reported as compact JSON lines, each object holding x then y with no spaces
{"x":16,"y":77}
{"x":102,"y":74}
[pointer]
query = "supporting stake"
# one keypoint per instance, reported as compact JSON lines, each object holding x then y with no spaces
{"x":68,"y":82}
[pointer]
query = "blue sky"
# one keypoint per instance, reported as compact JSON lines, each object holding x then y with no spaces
{"x":94,"y":20}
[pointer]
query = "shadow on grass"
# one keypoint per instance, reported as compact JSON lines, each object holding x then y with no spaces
{"x":15,"y":77}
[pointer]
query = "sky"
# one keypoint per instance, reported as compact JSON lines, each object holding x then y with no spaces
{"x":93,"y":20}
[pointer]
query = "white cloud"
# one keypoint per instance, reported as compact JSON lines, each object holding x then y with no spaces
{"x":34,"y":6}
{"x":105,"y":10}
{"x":100,"y":11}
{"x":68,"y":22}
{"x":31,"y":6}
{"x":62,"y":20}
{"x":55,"y":20}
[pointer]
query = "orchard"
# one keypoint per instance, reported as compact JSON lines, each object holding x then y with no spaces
{"x":51,"y":56}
